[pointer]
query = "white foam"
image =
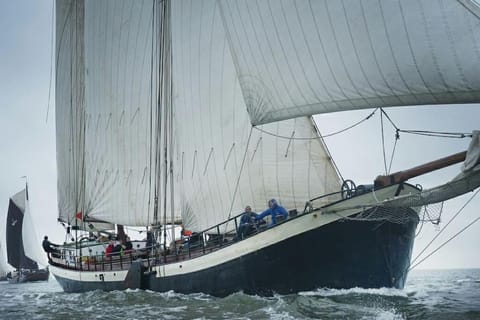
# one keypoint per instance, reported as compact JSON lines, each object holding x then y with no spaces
{"x":325,"y":292}
{"x":384,"y":315}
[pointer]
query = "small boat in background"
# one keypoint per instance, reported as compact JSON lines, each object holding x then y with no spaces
{"x":22,"y":244}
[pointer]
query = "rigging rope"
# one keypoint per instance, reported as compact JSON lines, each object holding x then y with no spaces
{"x":397,"y":137}
{"x":444,"y":243}
{"x":51,"y":61}
{"x":438,"y":234}
{"x":320,"y":136}
{"x":383,"y":142}
{"x":238,"y":178}
{"x":456,"y":135}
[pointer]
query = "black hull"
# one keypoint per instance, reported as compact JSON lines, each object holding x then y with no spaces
{"x":342,"y":254}
{"x":30,"y":276}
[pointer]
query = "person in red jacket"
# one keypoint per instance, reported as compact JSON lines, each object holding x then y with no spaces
{"x":109,"y":249}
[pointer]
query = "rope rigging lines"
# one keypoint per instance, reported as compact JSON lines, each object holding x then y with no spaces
{"x":440,"y":232}
{"x":440,"y":134}
{"x":320,"y":136}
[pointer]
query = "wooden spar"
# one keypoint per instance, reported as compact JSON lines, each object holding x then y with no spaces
{"x":401,"y":176}
{"x":121,"y":233}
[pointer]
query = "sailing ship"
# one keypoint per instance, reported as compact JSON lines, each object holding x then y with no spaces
{"x":186,"y":111}
{"x":22,"y":243}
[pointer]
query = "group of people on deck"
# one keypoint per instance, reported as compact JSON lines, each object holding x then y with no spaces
{"x":249,"y":222}
{"x":114,"y":247}
{"x":249,"y":219}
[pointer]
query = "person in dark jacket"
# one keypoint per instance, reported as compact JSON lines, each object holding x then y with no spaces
{"x":128,"y":245}
{"x":246,"y":223}
{"x":275,"y":210}
{"x":48,"y":247}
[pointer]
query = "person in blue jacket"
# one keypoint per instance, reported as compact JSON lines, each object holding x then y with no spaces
{"x":274,"y":210}
{"x":246,"y":223}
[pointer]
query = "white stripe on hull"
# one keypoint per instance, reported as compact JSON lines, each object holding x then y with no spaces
{"x":89,"y":276}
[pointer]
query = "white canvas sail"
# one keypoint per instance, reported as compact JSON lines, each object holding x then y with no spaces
{"x":69,"y":111}
{"x":221,"y":167}
{"x":3,"y":253}
{"x":32,"y":243}
{"x":3,"y":261}
{"x":297,"y":58}
{"x":108,"y":143}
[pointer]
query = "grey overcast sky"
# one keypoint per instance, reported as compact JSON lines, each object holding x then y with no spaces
{"x":27,"y":138}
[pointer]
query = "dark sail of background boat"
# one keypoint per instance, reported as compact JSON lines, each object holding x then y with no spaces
{"x":15,"y":251}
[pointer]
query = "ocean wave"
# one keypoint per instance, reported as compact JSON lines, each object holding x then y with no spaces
{"x":326,"y":292}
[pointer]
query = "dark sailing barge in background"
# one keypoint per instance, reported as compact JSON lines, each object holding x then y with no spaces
{"x":22,"y":246}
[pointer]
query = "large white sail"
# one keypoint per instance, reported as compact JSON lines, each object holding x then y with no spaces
{"x":301,"y":57}
{"x":3,"y":261}
{"x":69,"y":110}
{"x":215,"y":149}
{"x":32,"y":243}
{"x":108,"y":137}
{"x":3,"y":253}
{"x":4,"y":268}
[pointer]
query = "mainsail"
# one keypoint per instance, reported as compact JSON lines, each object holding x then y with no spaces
{"x":14,"y":232}
{"x":224,"y":163}
{"x":297,"y":58}
{"x":107,"y":133}
{"x":237,"y":63}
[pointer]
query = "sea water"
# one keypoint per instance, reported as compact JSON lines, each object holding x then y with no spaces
{"x":429,"y":294}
